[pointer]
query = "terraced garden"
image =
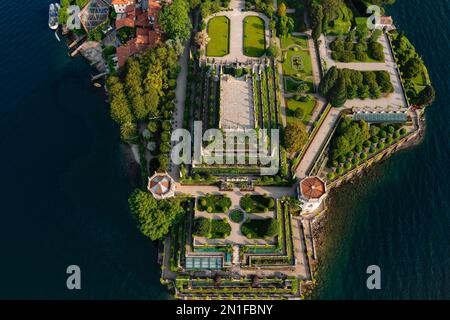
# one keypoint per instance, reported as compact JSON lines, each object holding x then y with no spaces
{"x":297,"y":72}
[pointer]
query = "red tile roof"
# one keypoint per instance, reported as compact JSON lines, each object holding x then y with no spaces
{"x":127,"y":22}
{"x":312,"y":188}
{"x":144,"y":39}
{"x":141,"y":19}
{"x":122,"y":2}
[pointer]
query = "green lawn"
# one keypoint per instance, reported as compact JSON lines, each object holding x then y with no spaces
{"x":288,"y":67}
{"x":219,"y":37}
{"x":254,"y":36}
{"x":301,"y":41}
{"x":307,"y":108}
{"x":291,"y":86}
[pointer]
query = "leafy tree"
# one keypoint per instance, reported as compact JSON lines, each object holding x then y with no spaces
{"x":120,"y":110}
{"x":174,"y":20}
{"x":295,"y":136}
{"x":426,"y":96}
{"x":352,"y":91}
{"x":316,"y":17}
{"x":128,"y":131}
{"x":285,"y":25}
{"x":363,"y":91}
{"x":331,"y":8}
{"x":376,"y":34}
{"x":412,"y":68}
{"x":133,"y":85}
{"x":338,"y":95}
{"x":302,"y":88}
{"x":349,"y":134}
{"x":328,"y":81}
{"x":282,"y":10}
{"x":202,"y":227}
{"x":273,"y":51}
{"x":63,"y":14}
{"x":201,"y":38}
{"x":338,"y":44}
{"x":376,"y":50}
{"x":154,"y":217}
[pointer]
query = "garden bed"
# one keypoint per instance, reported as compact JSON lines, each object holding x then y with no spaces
{"x":260,"y":228}
{"x":214,"y":203}
{"x":212,"y":229}
{"x":257,"y":203}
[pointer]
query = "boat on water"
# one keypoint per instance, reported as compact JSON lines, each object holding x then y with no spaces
{"x":53,"y":16}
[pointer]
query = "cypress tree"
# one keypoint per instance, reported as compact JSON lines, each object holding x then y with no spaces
{"x":338,"y":95}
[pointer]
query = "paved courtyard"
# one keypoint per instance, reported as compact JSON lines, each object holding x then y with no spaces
{"x":236,"y":107}
{"x":236,"y":236}
{"x":236,"y":14}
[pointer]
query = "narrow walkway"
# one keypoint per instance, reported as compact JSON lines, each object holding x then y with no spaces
{"x":180,"y":93}
{"x":317,"y":144}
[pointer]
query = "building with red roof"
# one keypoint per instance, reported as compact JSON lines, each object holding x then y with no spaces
{"x":120,"y":6}
{"x":312,"y":191}
{"x":144,"y":39}
{"x":145,"y":20}
{"x":161,"y":186}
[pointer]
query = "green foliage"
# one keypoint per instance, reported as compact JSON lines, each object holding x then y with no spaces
{"x":360,"y":84}
{"x":256,"y":203}
{"x":120,"y":110}
{"x":174,"y":20}
{"x":218,"y":203}
{"x":273,"y":51}
{"x":338,"y":94}
{"x":220,"y":229}
{"x":202,"y":227}
{"x":285,"y":25}
{"x":348,"y":135}
{"x":316,"y":16}
{"x":154,"y":217}
{"x":426,"y":96}
{"x":63,"y":14}
{"x":236,"y":215}
{"x":260,"y":228}
{"x":295,"y":137}
{"x":215,"y":229}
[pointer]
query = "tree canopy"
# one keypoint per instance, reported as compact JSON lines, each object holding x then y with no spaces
{"x":295,"y":136}
{"x":349,"y":134}
{"x":174,"y":20}
{"x":154,"y":217}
